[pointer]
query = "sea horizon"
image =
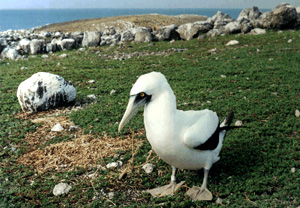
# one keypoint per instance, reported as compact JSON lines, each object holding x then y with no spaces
{"x":18,"y":19}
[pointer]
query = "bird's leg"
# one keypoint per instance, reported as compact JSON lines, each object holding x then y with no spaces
{"x":201,"y":193}
{"x":169,"y":189}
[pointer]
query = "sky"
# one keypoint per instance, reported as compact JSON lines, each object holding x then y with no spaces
{"x":62,"y":4}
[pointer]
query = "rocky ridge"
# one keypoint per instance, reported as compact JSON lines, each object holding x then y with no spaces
{"x":21,"y":43}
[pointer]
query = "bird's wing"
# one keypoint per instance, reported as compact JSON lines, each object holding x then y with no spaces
{"x":204,"y":133}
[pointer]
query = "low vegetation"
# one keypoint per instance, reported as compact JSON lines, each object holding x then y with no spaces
{"x":258,"y":79}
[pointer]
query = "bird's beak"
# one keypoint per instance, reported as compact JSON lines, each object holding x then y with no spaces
{"x":133,"y":106}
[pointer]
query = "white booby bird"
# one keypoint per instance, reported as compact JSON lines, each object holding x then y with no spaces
{"x":184,"y":139}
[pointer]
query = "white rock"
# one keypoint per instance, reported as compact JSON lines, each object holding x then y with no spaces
{"x":10,"y":53}
{"x":223,"y":76}
{"x":24,"y":67}
{"x":290,"y":40}
{"x":112,"y":92}
{"x":63,"y":55}
{"x":44,"y":90}
{"x":293,"y":170}
{"x":148,"y":168}
{"x":111,"y":195}
{"x":45,"y":56}
{"x":238,"y":123}
{"x":232,"y":42}
{"x":93,"y":97}
{"x":114,"y":165}
{"x":57,"y":127}
{"x":297,"y":113}
{"x":219,"y":201}
{"x":61,"y":188}
{"x":258,"y":31}
{"x":91,"y":81}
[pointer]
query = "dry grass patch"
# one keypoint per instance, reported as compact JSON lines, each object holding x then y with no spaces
{"x":154,"y":21}
{"x":82,"y":150}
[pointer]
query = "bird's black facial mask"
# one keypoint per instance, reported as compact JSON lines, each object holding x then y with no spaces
{"x":142,"y":98}
{"x":135,"y":103}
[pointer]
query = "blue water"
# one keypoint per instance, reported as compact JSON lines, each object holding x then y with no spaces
{"x":26,"y":19}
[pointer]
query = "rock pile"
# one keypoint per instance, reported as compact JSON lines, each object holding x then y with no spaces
{"x":18,"y":44}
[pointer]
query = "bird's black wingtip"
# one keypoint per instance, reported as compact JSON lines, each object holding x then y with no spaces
{"x":229,"y":119}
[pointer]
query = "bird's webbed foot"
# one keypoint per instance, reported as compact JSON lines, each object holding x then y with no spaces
{"x":199,"y":193}
{"x":166,"y":190}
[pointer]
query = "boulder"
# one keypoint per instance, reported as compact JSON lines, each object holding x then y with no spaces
{"x":167,"y":33}
{"x":233,"y":27}
{"x":67,"y":44}
{"x":142,"y":34}
{"x":251,"y":14}
{"x":91,"y":39}
{"x":110,"y":39}
{"x":284,"y":16}
{"x":127,"y":36}
{"x":216,"y":32}
{"x":24,"y":44}
{"x":10,"y":53}
{"x":43,"y":91}
{"x":36,"y":46}
{"x":3,"y":44}
{"x":192,"y":30}
{"x":220,"y":19}
{"x":78,"y":37}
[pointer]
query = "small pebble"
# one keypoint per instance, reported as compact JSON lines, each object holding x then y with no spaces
{"x":93,"y":97}
{"x":232,"y":42}
{"x":114,"y":165}
{"x":219,"y":200}
{"x":148,"y":168}
{"x":57,"y":127}
{"x":61,"y":188}
{"x":111,"y":195}
{"x":112,"y":92}
{"x":293,"y":170}
{"x":297,"y":113}
{"x":238,"y":123}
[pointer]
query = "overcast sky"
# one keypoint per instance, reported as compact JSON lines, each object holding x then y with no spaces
{"x":47,"y":4}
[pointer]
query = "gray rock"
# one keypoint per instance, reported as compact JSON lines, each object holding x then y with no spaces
{"x":67,"y":44}
{"x":44,"y":90}
{"x":192,"y":30}
{"x":10,"y":53}
{"x":220,"y":19}
{"x":258,"y":31}
{"x":215,"y":32}
{"x":36,"y":46}
{"x":148,"y":168}
{"x":51,"y":47}
{"x":91,"y":39}
{"x":284,"y":16}
{"x":127,"y":36}
{"x":142,"y":34}
{"x":167,"y":33}
{"x":61,"y":188}
{"x":58,"y":127}
{"x":233,"y":27}
{"x":250,"y":13}
{"x":78,"y":37}
{"x":25,"y":45}
{"x":3,"y":44}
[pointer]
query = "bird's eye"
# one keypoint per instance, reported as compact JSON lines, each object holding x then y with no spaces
{"x":142,"y":94}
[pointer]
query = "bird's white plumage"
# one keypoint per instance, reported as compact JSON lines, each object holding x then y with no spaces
{"x":173,"y":133}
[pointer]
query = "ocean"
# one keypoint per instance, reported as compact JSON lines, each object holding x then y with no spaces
{"x":27,"y":19}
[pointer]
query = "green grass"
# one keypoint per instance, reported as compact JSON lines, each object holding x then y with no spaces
{"x":261,"y":86}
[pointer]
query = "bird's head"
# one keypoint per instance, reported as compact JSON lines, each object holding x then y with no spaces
{"x":146,"y":88}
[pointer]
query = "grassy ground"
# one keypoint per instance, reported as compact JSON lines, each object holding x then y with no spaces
{"x":260,"y":83}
